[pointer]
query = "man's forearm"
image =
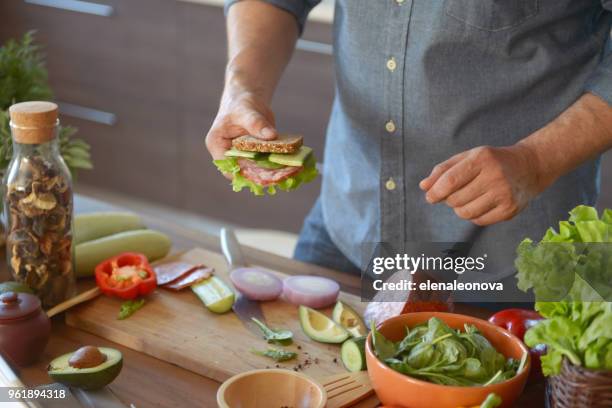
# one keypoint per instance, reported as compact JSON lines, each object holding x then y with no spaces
{"x":580,"y":133}
{"x":261,"y":39}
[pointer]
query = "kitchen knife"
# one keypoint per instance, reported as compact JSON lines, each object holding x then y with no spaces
{"x":244,"y":308}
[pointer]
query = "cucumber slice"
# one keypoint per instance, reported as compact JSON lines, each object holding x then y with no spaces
{"x":321,"y":328}
{"x":239,"y":153}
{"x":296,"y":159}
{"x":348,"y":318}
{"x":352,"y":354}
{"x":215,"y":294}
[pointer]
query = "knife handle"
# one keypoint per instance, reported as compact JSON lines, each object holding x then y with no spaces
{"x":231,"y":248}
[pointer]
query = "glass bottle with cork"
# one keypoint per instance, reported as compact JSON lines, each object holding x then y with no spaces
{"x":38,"y":205}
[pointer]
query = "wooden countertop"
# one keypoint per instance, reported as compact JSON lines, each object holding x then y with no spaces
{"x":148,"y":382}
{"x":323,"y":13}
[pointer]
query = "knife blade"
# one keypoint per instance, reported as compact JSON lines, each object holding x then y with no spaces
{"x":244,"y":308}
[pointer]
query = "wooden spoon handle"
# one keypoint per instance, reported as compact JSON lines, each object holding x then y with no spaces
{"x":80,"y":298}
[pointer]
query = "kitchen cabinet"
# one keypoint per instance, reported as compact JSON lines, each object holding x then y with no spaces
{"x":141,"y":79}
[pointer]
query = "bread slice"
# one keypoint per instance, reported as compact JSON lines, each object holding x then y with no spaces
{"x":284,"y":144}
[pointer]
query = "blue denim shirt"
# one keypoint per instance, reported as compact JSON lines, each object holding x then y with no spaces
{"x":421,"y":80}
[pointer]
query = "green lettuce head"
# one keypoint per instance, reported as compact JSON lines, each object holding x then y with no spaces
{"x":570,"y":273}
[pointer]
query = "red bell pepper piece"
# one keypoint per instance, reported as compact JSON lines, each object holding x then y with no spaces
{"x":126,"y":276}
{"x":517,"y":322}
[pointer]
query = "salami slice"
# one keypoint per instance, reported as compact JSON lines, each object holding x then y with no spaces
{"x":171,"y":271}
{"x":265,"y":177}
{"x":189,"y":279}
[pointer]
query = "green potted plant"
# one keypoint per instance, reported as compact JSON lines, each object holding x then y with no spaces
{"x":23,"y":77}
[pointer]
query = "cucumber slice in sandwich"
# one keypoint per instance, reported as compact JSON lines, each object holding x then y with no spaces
{"x":233,"y":152}
{"x":295,"y":159}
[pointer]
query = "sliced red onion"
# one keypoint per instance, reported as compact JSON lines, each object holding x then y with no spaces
{"x":312,"y":291}
{"x":256,"y":284}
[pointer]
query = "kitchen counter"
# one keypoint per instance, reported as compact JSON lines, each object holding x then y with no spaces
{"x":149,"y":382}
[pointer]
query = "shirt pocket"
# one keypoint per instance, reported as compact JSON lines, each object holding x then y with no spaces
{"x":492,"y":15}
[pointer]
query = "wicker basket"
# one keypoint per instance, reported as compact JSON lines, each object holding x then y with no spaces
{"x":578,"y":387}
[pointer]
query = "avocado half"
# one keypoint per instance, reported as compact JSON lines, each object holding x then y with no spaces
{"x":348,"y":318}
{"x":321,"y":328}
{"x":87,"y":378}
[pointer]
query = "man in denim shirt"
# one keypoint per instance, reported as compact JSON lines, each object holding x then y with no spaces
{"x":449,"y":115}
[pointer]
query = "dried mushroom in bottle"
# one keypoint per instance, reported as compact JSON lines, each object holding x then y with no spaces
{"x":39,"y":208}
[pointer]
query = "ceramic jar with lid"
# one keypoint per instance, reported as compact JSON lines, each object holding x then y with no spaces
{"x":24,"y":328}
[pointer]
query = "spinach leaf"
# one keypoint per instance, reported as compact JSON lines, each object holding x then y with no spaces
{"x":421,"y":355}
{"x":452,"y":350}
{"x":413,"y":337}
{"x":492,"y":401}
{"x":473,"y":369}
{"x":384,"y":348}
{"x":276,"y":354}
{"x":277,"y":336}
{"x":129,"y":308}
{"x":436,"y":328}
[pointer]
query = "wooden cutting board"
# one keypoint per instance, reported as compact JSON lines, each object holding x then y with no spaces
{"x":177,"y":328}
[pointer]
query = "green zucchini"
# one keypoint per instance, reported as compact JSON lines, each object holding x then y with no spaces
{"x":153,"y":244}
{"x":352,"y":354}
{"x":88,"y":227}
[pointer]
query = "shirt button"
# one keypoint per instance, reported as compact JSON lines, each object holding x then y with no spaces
{"x":390,"y":185}
{"x":390,"y":126}
{"x":391,"y":64}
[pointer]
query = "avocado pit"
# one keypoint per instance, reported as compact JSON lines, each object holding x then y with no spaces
{"x":87,"y":357}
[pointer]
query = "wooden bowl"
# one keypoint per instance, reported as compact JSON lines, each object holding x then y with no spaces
{"x":398,"y":390}
{"x":271,"y":388}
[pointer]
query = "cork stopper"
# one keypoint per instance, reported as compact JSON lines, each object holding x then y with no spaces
{"x":33,"y":122}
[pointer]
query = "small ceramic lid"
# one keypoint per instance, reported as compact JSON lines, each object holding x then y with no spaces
{"x":33,"y":122}
{"x":15,"y":306}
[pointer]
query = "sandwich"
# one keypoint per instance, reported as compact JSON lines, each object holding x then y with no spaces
{"x":265,"y":165}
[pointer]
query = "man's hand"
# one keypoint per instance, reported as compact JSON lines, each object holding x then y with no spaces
{"x":261,"y":38}
{"x":485,"y":185}
{"x":240,"y":113}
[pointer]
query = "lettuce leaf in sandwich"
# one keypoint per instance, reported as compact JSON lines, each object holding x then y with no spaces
{"x":230,"y":166}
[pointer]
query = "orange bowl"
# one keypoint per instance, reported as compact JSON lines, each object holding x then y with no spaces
{"x":398,"y":390}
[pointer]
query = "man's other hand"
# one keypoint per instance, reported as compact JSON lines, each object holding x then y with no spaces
{"x":485,"y":185}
